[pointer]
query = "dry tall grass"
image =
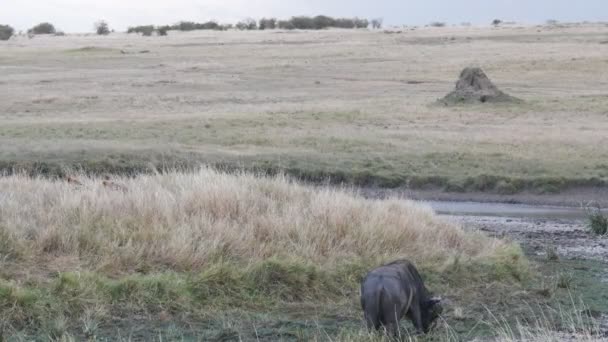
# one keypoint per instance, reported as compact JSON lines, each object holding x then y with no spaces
{"x":575,"y":325}
{"x":185,"y":221}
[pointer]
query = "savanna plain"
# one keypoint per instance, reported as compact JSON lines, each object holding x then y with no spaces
{"x":261,"y":243}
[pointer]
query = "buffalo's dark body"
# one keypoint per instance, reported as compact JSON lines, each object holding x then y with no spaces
{"x":395,"y":290}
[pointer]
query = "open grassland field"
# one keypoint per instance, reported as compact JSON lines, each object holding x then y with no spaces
{"x":191,"y":253}
{"x":212,"y":256}
{"x":351,"y":105}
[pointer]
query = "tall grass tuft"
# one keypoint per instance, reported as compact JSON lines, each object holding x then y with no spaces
{"x":565,"y":323}
{"x":597,"y":221}
{"x":185,"y":221}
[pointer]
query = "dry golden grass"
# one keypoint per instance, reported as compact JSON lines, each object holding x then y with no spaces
{"x":186,"y":221}
{"x":354,"y":104}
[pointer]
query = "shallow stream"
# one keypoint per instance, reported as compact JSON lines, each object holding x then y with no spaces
{"x":507,"y":210}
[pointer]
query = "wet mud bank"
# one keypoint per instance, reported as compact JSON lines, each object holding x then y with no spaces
{"x":561,"y":247}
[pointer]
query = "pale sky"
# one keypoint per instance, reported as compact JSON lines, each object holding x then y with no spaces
{"x":79,"y":15}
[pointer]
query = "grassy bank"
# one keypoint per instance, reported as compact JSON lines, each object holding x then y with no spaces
{"x":306,"y":170}
{"x":177,"y":249}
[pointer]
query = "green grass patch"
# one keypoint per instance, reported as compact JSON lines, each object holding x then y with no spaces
{"x":272,"y":287}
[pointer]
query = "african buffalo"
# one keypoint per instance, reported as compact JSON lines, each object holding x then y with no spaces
{"x":391,"y":291}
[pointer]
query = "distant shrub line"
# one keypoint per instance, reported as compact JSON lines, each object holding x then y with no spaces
{"x":145,"y":30}
{"x":319,"y":22}
{"x":148,"y":30}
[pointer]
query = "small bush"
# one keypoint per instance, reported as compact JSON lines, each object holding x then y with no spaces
{"x":506,"y":187}
{"x":597,"y":222}
{"x":6,"y":32}
{"x":345,"y":23}
{"x":145,"y":30}
{"x":162,"y":30}
{"x":551,"y":252}
{"x":225,"y":27}
{"x":268,"y":24}
{"x":286,"y":25}
{"x":377,"y":23}
{"x":303,"y":23}
{"x":210,"y":25}
{"x":186,"y":26}
{"x":247,"y":24}
{"x":437,"y":24}
{"x":102,"y":28}
{"x":361,"y":23}
{"x":43,"y":28}
{"x":565,"y":281}
{"x":322,"y":22}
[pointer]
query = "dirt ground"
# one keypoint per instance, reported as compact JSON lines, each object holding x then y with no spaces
{"x":357,"y":104}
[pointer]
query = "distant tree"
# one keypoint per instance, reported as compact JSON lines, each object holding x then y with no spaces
{"x":437,"y":24}
{"x":6,"y":32}
{"x":247,"y":24}
{"x":322,"y":22}
{"x":496,"y":22}
{"x":377,"y":23}
{"x":186,"y":26}
{"x":361,"y":23}
{"x":303,"y":23}
{"x":102,"y":28}
{"x":162,"y":30}
{"x":43,"y":28}
{"x":210,"y":25}
{"x":267,"y":24}
{"x":241,"y":25}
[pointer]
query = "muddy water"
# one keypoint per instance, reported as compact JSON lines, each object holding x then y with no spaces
{"x":507,"y":210}
{"x":535,"y":227}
